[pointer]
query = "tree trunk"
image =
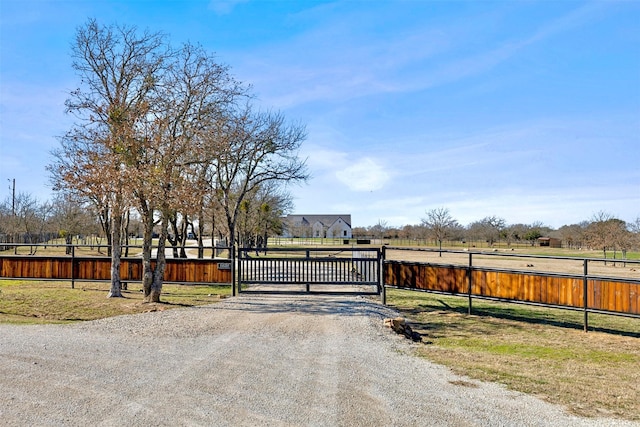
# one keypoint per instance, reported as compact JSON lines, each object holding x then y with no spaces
{"x":161,"y":263}
{"x":116,"y":228}
{"x":105,"y":222}
{"x":68,"y":240}
{"x":126,"y":232}
{"x":147,"y":245}
{"x":213,"y":239}
{"x":265,"y":241}
{"x":199,"y":232}
{"x":183,"y":242}
{"x":175,"y":240}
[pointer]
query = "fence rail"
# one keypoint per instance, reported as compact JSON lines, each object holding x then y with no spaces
{"x":585,"y":291}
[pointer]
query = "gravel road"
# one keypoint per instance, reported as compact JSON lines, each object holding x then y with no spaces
{"x":247,"y":361}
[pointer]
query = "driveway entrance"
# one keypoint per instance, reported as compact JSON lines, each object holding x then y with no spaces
{"x":305,"y":270}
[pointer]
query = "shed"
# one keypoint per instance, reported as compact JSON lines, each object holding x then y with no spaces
{"x":551,"y":242}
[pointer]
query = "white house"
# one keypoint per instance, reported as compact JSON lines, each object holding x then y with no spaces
{"x":337,"y":226}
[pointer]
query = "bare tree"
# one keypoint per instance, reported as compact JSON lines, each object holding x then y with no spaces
{"x":153,"y":124}
{"x":250,"y":150}
{"x":71,"y":217}
{"x":28,"y":220}
{"x":378,"y":230}
{"x":439,"y":224}
{"x":8,"y":221}
{"x":489,"y":228}
{"x":117,"y":67}
{"x":574,"y":234}
{"x":194,"y":93}
{"x":634,"y":228}
{"x":260,"y":215}
{"x":608,"y":233}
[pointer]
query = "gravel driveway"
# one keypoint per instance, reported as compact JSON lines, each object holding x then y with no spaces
{"x":249,"y":360}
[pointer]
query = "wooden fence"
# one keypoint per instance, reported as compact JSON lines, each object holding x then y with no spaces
{"x":611,"y":295}
{"x":178,"y":270}
{"x":619,"y":295}
{"x":587,"y":291}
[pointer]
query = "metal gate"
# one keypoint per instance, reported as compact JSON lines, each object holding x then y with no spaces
{"x":310,"y":270}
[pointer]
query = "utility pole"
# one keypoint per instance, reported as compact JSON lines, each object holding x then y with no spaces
{"x":13,"y":196}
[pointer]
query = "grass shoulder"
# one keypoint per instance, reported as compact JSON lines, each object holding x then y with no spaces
{"x":533,"y":350}
{"x":32,"y":302}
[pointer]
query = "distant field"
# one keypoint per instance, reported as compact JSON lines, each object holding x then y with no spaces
{"x":509,"y":259}
{"x":57,"y":247}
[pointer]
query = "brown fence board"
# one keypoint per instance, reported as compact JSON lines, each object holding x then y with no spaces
{"x":130,"y":269}
{"x":634,"y":300}
{"x":578,"y":293}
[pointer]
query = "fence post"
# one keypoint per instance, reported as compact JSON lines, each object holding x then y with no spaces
{"x":308,"y":255}
{"x":73,"y":264}
{"x":470,"y":282}
{"x":585,"y":296}
{"x":383,"y":291}
{"x":234,"y":273}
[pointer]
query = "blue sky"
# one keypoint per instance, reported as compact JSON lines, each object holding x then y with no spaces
{"x":525,"y":110}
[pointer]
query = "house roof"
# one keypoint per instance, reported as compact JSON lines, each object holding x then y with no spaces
{"x":326,"y":220}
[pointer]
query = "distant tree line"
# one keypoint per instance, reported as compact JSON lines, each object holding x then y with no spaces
{"x":602,"y":232}
{"x":26,"y":220}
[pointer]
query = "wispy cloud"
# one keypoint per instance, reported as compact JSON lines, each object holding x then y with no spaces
{"x":363,"y":175}
{"x":224,"y":7}
{"x":339,"y":65}
{"x":347,"y":170}
{"x":529,"y":170}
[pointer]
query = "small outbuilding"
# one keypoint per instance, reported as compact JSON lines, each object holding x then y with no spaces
{"x":550,"y":242}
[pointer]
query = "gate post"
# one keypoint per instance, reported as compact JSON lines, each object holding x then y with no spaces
{"x":73,"y":264}
{"x":585,"y":296}
{"x":381,"y":257}
{"x":308,"y":254}
{"x":233,"y":269}
{"x":470,"y":282}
